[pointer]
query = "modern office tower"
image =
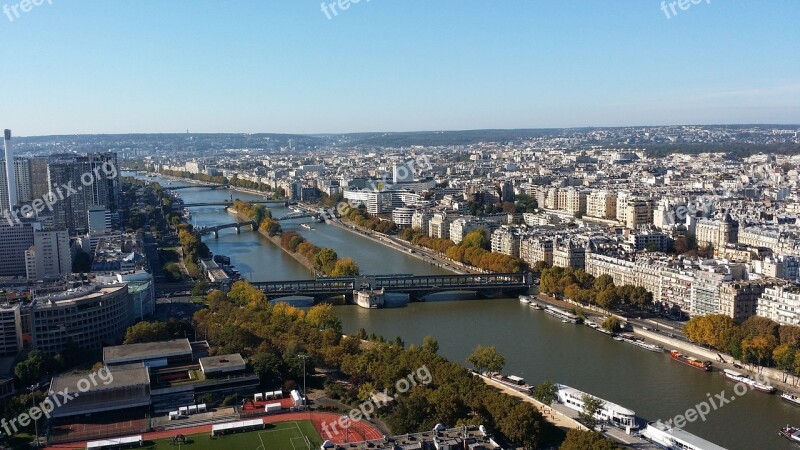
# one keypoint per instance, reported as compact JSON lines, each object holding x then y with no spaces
{"x":11,"y":184}
{"x":95,"y":182}
{"x":39,"y":185}
{"x":70,"y":208}
{"x":10,"y":329}
{"x":51,"y":255}
{"x":14,"y":241}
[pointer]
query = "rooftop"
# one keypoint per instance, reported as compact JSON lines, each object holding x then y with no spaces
{"x":139,"y":352}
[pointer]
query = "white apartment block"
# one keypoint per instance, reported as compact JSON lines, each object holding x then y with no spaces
{"x":602,"y":204}
{"x":780,"y":304}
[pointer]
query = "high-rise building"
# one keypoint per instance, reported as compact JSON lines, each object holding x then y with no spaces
{"x":11,"y":184}
{"x":39,"y":184}
{"x":51,"y":254}
{"x":70,"y":208}
{"x":14,"y":241}
{"x":22,"y":180}
{"x":99,"y":219}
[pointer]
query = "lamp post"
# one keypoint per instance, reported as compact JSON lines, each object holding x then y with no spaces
{"x":305,"y":399}
{"x":35,"y":422}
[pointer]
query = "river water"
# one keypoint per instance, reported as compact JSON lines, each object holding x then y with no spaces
{"x":536,"y":346}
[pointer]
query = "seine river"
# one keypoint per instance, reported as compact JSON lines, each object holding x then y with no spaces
{"x":536,"y":346}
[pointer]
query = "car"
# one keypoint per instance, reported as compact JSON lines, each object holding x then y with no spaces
{"x":646,"y":328}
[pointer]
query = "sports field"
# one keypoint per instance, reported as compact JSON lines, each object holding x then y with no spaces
{"x":294,"y":435}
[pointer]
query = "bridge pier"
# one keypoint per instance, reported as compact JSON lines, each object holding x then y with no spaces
{"x":238,"y":229}
{"x":216,"y":234}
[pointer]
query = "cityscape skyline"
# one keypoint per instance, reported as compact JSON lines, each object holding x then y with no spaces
{"x":379,"y":66}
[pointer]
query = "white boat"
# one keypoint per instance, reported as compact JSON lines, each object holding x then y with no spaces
{"x":791,"y":398}
{"x":565,"y":316}
{"x":526,"y":299}
{"x":790,"y":433}
{"x":610,"y":413}
{"x":535,"y":305}
{"x":306,"y":226}
{"x":745,"y":379}
{"x":641,"y":343}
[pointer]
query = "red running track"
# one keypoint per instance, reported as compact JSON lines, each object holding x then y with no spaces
{"x":356,"y":432}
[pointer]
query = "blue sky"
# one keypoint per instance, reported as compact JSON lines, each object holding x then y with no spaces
{"x":100,"y":66}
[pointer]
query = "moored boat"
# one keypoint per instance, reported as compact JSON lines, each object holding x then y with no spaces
{"x":745,"y":379}
{"x":526,"y":299}
{"x":565,"y":316}
{"x":689,"y":361}
{"x":641,"y":343}
{"x":790,"y":433}
{"x":535,"y":305}
{"x":791,"y":398}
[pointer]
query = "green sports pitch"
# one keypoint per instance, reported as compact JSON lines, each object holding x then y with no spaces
{"x":294,"y":435}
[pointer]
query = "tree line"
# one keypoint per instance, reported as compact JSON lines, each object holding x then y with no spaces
{"x":582,"y":287}
{"x":272,"y":336}
{"x":473,"y":250}
{"x":757,"y":340}
{"x":324,"y":260}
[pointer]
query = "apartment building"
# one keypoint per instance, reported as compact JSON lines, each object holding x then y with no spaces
{"x":506,"y":240}
{"x":602,"y":205}
{"x":780,"y":304}
{"x":535,"y":249}
{"x":739,"y":299}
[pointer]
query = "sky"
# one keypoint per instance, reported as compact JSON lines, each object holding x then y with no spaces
{"x":287,"y":66}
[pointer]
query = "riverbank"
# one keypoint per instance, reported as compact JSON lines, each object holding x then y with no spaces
{"x":775,"y":376}
{"x":277,"y":241}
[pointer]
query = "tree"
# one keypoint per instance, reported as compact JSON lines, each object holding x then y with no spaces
{"x":33,"y":368}
{"x":612,"y":324}
{"x":546,"y":392}
{"x":430,"y":344}
{"x":325,"y":260}
{"x":759,"y":348}
{"x":143,"y":332}
{"x":486,"y":359}
{"x":199,"y":288}
{"x":82,"y":263}
{"x":784,"y":355}
{"x":477,"y":239}
{"x":586,"y":440}
{"x":591,"y":406}
{"x":603,"y":282}
{"x":346,"y":267}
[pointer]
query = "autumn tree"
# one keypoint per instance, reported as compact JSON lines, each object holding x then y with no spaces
{"x":144,"y":332}
{"x":487,"y":359}
{"x":586,"y":440}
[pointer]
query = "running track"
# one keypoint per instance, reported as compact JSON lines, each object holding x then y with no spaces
{"x":358,"y":431}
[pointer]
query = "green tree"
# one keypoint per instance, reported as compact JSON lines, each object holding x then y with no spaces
{"x":346,"y":267}
{"x":430,"y":344}
{"x":325,"y":260}
{"x":200,"y":288}
{"x":32,"y":368}
{"x":586,"y":440}
{"x":591,"y":406}
{"x":487,"y":359}
{"x":143,"y":332}
{"x":477,"y":239}
{"x":784,"y":355}
{"x":612,"y":324}
{"x":546,"y":392}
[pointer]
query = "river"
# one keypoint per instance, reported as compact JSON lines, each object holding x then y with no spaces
{"x":536,"y":346}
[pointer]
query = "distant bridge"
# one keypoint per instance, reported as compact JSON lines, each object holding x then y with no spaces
{"x":238,"y":225}
{"x":416,"y":286}
{"x":209,"y":186}
{"x":227,"y":204}
{"x":299,"y":215}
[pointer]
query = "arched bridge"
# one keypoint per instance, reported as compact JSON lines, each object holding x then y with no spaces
{"x":416,"y":286}
{"x":238,"y":225}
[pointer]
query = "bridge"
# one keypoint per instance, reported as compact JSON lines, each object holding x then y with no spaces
{"x":208,"y":186}
{"x":487,"y":285}
{"x":238,"y":225}
{"x":227,"y":204}
{"x":299,"y":215}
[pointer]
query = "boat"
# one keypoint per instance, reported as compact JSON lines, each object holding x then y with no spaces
{"x":535,"y":305}
{"x":367,"y":298}
{"x":791,"y":398}
{"x":526,"y":299}
{"x":610,"y":413}
{"x":512,"y":381}
{"x":790,"y":433}
{"x":565,"y":316}
{"x":306,"y":226}
{"x":689,"y":361}
{"x":745,"y":379}
{"x":641,"y":343}
{"x":617,"y":338}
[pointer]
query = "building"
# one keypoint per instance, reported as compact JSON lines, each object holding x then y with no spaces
{"x":460,"y":227}
{"x":10,"y":329}
{"x":69,"y":213}
{"x":14,"y":242}
{"x":420,"y":220}
{"x":535,"y":249}
{"x":506,"y":240}
{"x":780,"y":304}
{"x":22,"y":180}
{"x":602,"y":205}
{"x":739,"y":299}
{"x":638,"y":212}
{"x":51,"y":254}
{"x":439,"y":226}
{"x":376,"y":202}
{"x":403,"y":217}
{"x":568,"y":253}
{"x":573,"y":201}
{"x":88,"y":316}
{"x":705,"y":292}
{"x":99,"y":219}
{"x":717,"y":233}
